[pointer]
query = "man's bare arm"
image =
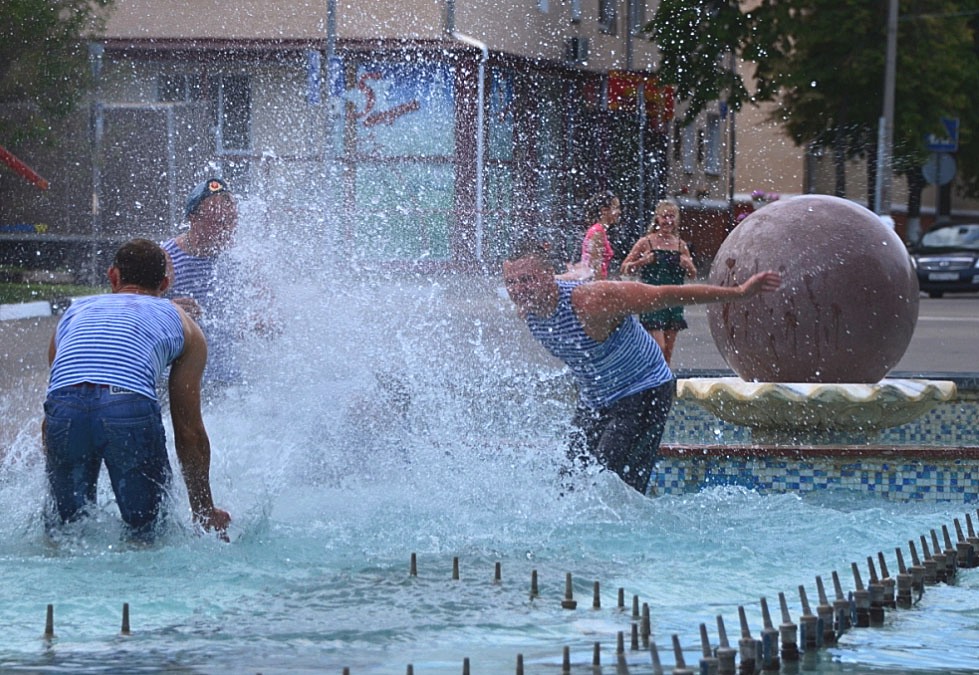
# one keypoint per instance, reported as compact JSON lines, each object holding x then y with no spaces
{"x":190,"y":437}
{"x":602,"y":305}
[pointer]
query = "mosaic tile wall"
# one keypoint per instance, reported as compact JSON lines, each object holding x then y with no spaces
{"x":901,"y":480}
{"x":950,"y":425}
{"x":953,"y":424}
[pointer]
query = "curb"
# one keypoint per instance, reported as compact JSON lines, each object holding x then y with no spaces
{"x":36,"y":309}
{"x":25,"y":310}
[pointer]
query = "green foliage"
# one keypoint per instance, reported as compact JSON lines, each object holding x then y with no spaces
{"x":12,"y":293}
{"x":695,"y":39}
{"x":44,"y":67}
{"x":822,"y":64}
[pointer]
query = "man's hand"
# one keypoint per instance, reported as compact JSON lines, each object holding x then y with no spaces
{"x":763,"y":282}
{"x":217,"y":520}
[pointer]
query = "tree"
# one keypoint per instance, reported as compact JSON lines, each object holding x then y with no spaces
{"x":44,"y":60}
{"x":822,"y":65}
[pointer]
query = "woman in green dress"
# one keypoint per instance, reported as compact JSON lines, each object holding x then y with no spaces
{"x":661,"y":258}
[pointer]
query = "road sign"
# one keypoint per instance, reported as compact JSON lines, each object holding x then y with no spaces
{"x":939,"y":169}
{"x":949,"y":142}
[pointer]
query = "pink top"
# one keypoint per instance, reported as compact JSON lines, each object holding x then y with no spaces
{"x":586,"y":248}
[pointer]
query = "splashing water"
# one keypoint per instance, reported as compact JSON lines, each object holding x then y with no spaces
{"x":409,"y":415}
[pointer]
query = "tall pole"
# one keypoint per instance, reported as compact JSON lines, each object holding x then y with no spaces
{"x":333,"y":196}
{"x":732,"y":148}
{"x":885,"y":161}
{"x":96,"y":50}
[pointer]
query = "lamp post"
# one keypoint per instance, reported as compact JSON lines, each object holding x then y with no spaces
{"x":885,"y":138}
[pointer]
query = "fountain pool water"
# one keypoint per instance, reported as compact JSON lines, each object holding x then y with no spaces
{"x":415,"y":416}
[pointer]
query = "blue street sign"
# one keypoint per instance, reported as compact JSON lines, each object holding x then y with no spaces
{"x":947,"y":143}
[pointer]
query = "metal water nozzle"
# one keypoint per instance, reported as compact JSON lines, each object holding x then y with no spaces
{"x":681,"y":665}
{"x":568,"y":602}
{"x":725,"y":653}
{"x":654,"y":656}
{"x":917,"y":570}
{"x":769,"y":641}
{"x":746,"y":646}
{"x":941,"y":560}
{"x":965,"y":551}
{"x":841,"y":607}
{"x":876,"y":589}
{"x":887,"y":581}
{"x":826,"y":614}
{"x":951,"y":555}
{"x":708,"y":662}
{"x":905,"y":583}
{"x":788,"y":632}
{"x":861,"y":597}
{"x":808,"y":624}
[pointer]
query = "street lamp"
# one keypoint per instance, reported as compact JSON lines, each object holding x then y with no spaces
{"x":885,"y":139}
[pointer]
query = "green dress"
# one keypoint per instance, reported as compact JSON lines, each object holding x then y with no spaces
{"x":664,"y":271}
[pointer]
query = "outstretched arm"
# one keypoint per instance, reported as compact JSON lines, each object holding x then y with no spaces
{"x":601,"y":306}
{"x":190,"y":436}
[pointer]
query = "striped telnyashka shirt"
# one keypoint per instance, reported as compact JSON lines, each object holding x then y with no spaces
{"x":121,"y":339}
{"x":211,"y":281}
{"x":627,"y":362}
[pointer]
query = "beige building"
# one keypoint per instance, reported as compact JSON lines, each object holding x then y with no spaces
{"x":418,"y":132}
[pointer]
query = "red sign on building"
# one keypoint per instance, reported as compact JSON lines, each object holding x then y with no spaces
{"x":623,"y":95}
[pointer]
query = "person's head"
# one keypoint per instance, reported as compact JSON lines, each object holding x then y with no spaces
{"x":141,"y":263}
{"x":604,"y":208}
{"x":666,"y":217}
{"x":528,"y":275}
{"x":213,"y":214}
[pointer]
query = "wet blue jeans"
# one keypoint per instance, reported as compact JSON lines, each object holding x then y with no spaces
{"x":625,"y":436}
{"x":89,"y":424}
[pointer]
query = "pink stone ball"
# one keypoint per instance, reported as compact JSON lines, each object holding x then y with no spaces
{"x":848,"y":304}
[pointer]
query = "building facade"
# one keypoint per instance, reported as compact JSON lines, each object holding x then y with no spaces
{"x":417,"y":132}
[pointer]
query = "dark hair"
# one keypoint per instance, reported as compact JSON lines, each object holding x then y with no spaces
{"x":141,"y":262}
{"x":595,"y":204}
{"x":532,"y":248}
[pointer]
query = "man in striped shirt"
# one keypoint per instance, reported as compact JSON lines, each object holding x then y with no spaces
{"x":210,"y":285}
{"x":107,"y":355}
{"x":626,"y":389}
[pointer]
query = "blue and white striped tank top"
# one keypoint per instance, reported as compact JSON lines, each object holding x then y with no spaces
{"x":121,"y":339}
{"x":627,"y":362}
{"x":211,"y":281}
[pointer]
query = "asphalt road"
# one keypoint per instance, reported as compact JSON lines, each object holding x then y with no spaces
{"x":945,"y":340}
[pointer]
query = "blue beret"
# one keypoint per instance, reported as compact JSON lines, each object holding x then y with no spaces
{"x":211,"y":186}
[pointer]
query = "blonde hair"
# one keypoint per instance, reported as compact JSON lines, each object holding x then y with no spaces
{"x":662,"y":207}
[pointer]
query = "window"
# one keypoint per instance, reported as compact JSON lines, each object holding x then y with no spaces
{"x":575,"y":11}
{"x":542,"y":6}
{"x":233,"y":107}
{"x":607,"y":16}
{"x":178,"y":88}
{"x":688,"y":148}
{"x":637,"y":16}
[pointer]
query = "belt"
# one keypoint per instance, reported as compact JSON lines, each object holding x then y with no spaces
{"x":113,"y":388}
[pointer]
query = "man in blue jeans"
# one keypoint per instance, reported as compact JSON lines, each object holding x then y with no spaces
{"x":106,"y":356}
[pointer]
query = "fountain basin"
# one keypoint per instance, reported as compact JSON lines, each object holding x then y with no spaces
{"x":816,"y":413}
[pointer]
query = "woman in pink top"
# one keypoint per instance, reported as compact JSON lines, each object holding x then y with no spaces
{"x":603,"y":211}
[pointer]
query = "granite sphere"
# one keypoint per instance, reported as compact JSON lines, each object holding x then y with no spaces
{"x":848,"y":304}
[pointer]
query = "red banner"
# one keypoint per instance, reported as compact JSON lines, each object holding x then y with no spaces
{"x":623,"y":95}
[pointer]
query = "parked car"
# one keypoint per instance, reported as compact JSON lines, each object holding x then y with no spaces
{"x":947,"y":259}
